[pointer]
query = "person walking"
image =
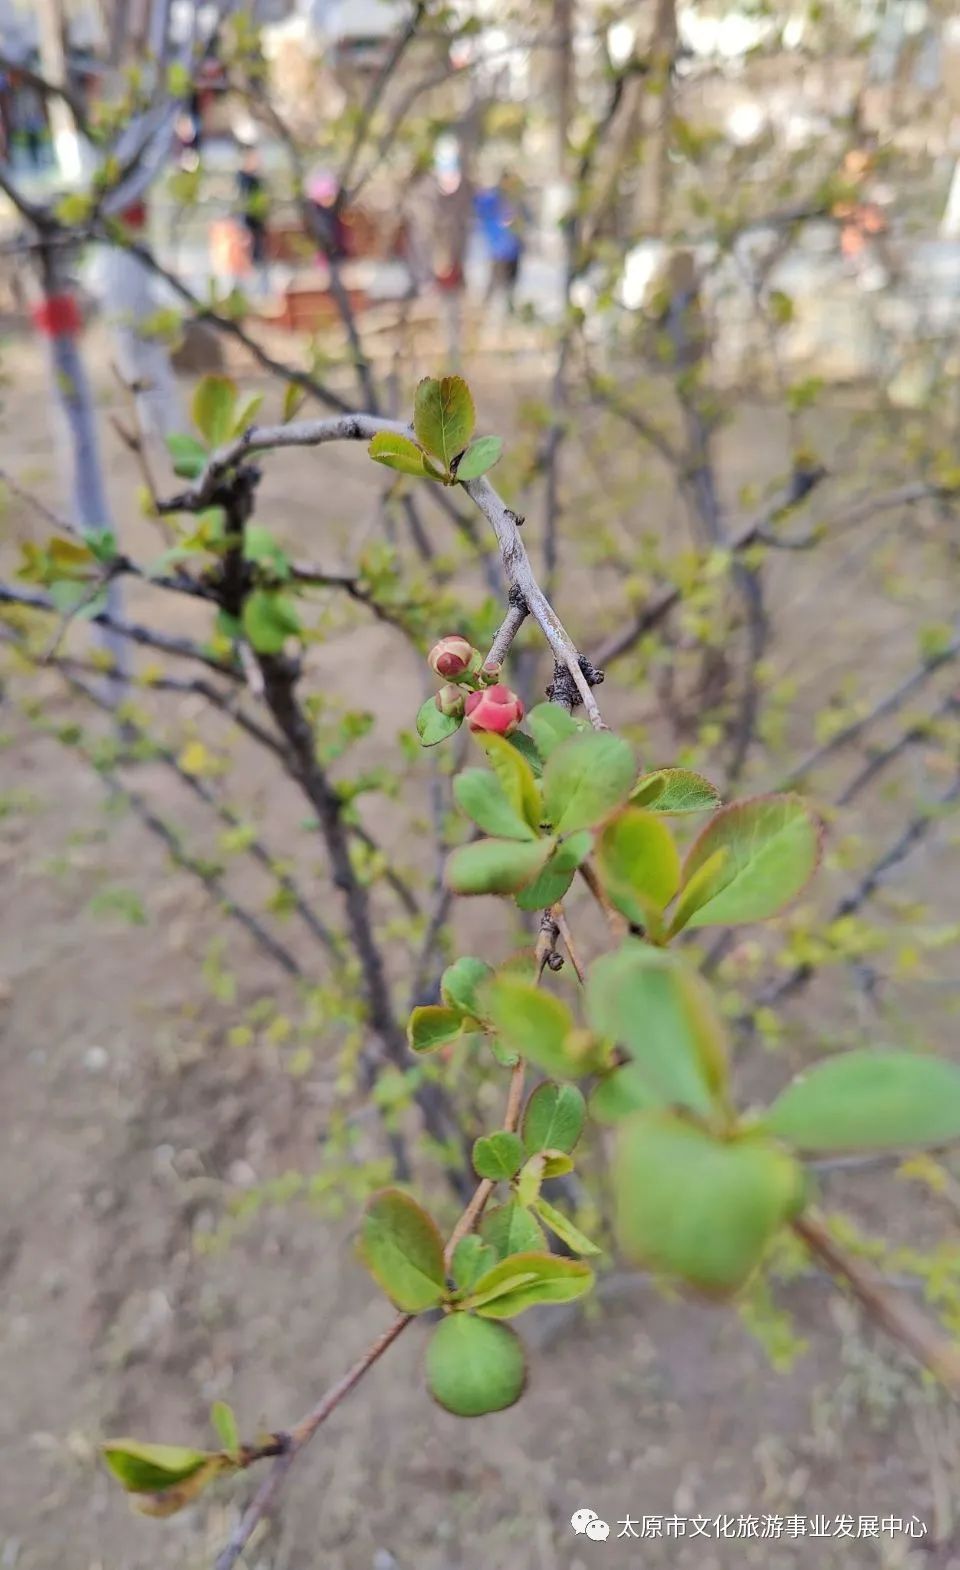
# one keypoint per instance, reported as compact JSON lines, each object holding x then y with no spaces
{"x":503,"y":218}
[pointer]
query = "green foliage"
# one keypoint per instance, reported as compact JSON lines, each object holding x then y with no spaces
{"x":402,"y":1248}
{"x":431,"y":1027}
{"x":563,"y":1228}
{"x":511,"y":1229}
{"x":269,"y":619}
{"x":162,"y":1478}
{"x":496,"y":866}
{"x":549,"y":726}
{"x":224,"y":1421}
{"x":474,"y":1367}
{"x":515,"y":777}
{"x":869,"y":1100}
{"x":521,"y":1281}
{"x":471,"y":1258}
{"x":750,"y":861}
{"x":498,"y":1156}
{"x":586,"y":778}
{"x":482,"y":797}
{"x":444,"y":417}
{"x":675,"y":791}
{"x":459,"y":983}
{"x":480,"y":456}
{"x":553,"y":1118}
{"x":433,"y":726}
{"x":553,"y":882}
{"x":214,"y":408}
{"x":697,"y":1207}
{"x":538,"y":1026}
{"x":400,"y":453}
{"x":639,"y":865}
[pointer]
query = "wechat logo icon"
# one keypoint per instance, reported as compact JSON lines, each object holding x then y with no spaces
{"x":586,"y":1523}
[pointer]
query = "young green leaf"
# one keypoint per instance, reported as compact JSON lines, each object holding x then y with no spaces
{"x":444,"y":416}
{"x":188,"y":455}
{"x":549,"y":726}
{"x":555,"y":879}
{"x":402,"y":1248}
{"x":482,"y":797}
{"x":431,"y":1027}
{"x":639,"y":864}
{"x":523,"y":1280}
{"x":497,"y":1156}
{"x":480,"y":456}
{"x":224,"y":1421}
{"x":586,"y":778}
{"x":621,"y":1092}
{"x":675,"y":791}
{"x":511,"y":1229}
{"x":170,"y":1500}
{"x":535,"y":1172}
{"x":659,"y":1007}
{"x":246,"y":414}
{"x":533,"y":1023}
{"x":515,"y":776}
{"x":697,"y":1207}
{"x":434,"y":727}
{"x":495,"y":866}
{"x":471,"y":1259}
{"x":459,"y":983}
{"x":771,"y":848}
{"x":214,"y":403}
{"x":527,"y":749}
{"x":269,"y":619}
{"x":397,"y":452}
{"x":869,"y":1100}
{"x":474,"y":1367}
{"x":260,"y":546}
{"x":564,"y":1228}
{"x":149,"y":1469}
{"x":553,"y":1118}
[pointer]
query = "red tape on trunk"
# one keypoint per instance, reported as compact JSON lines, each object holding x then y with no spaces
{"x":58,"y":316}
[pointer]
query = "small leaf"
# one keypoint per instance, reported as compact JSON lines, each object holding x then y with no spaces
{"x":557,"y":876}
{"x":510,"y":1229}
{"x":177,"y":1497}
{"x":293,"y":400}
{"x":397,"y":452}
{"x":771,"y":849}
{"x":474,"y":1367}
{"x":188,"y":455}
{"x":434,"y":727}
{"x":402,"y":1248}
{"x":246,"y":414}
{"x":675,"y":791}
{"x":869,"y":1100}
{"x":623,"y":1091}
{"x":532,"y":1022}
{"x":224,"y":1421}
{"x":639,"y":864}
{"x":431,"y":1027}
{"x":444,"y":416}
{"x":553,"y":1118}
{"x":498,"y":1156}
{"x":659,"y":1007}
{"x":565,"y":1229}
{"x":549,"y":726}
{"x":269,"y":619}
{"x":459,"y":983}
{"x":260,"y":546}
{"x":149,"y":1469}
{"x":214,"y":403}
{"x":480,"y":456}
{"x":515,"y":776}
{"x":527,"y":749}
{"x":700,"y":1208}
{"x":523,"y":1280}
{"x":495,"y":866}
{"x":471,"y":1259}
{"x":482,"y":797}
{"x":586,"y":778}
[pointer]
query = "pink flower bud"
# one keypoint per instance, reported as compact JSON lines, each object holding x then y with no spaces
{"x":451,"y":657}
{"x":490,"y":673}
{"x":495,"y":709}
{"x":449,"y":701}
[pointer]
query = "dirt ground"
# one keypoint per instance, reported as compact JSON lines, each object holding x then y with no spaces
{"x":130,"y":1123}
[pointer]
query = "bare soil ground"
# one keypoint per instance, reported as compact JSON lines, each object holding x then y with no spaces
{"x":129,"y":1125}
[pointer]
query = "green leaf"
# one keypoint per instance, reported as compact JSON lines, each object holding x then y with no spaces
{"x":557,"y":876}
{"x":639,"y":864}
{"x":260,"y":546}
{"x":549,"y":726}
{"x":474,"y":1367}
{"x":624,"y":1091}
{"x":523,"y":1280}
{"x":444,"y":416}
{"x":482,"y":797}
{"x":269,"y":619}
{"x":869,"y":1100}
{"x":553,"y":1118}
{"x":224,"y":1421}
{"x":397,"y":452}
{"x":536,"y":1170}
{"x":675,"y":791}
{"x":586,"y":778}
{"x":771,"y":848}
{"x":659,"y":1007}
{"x":511,"y":1229}
{"x":246,"y":414}
{"x":293,"y":400}
{"x":188,"y":455}
{"x":459,"y":983}
{"x":214,"y":403}
{"x":495,"y":866}
{"x":432,"y":726}
{"x":526,"y":747}
{"x":149,"y":1469}
{"x":696,"y":1207}
{"x":498,"y":1156}
{"x":431,"y":1027}
{"x":533,"y":1023}
{"x":402,"y":1248}
{"x":471,"y":1259}
{"x":565,"y":1229}
{"x":480,"y":456}
{"x":515,"y":775}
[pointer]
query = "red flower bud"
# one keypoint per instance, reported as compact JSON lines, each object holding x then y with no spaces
{"x":449,"y":701}
{"x":452,"y":656}
{"x":490,"y":673}
{"x":495,"y":709}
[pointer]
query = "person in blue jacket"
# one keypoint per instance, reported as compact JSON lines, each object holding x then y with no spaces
{"x":502,"y":217}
